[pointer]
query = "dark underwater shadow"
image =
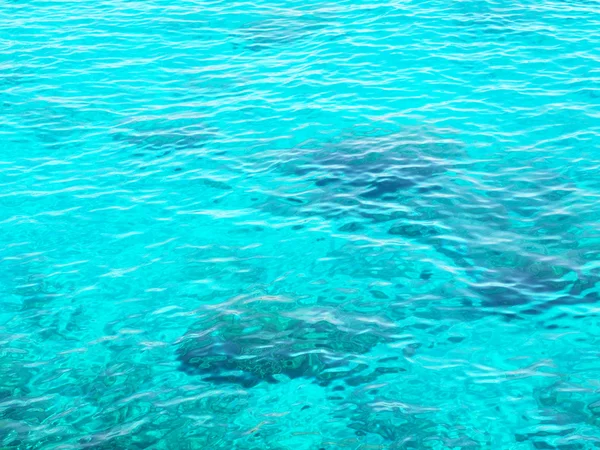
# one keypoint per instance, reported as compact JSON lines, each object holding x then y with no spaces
{"x":501,"y":232}
{"x":368,"y":176}
{"x":247,"y":345}
{"x":160,"y":136}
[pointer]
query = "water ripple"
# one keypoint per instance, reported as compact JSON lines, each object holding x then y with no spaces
{"x":291,"y":225}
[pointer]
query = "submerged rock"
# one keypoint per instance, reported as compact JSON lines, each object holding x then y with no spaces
{"x":374,"y":178}
{"x":527,"y":282}
{"x":263,"y":347}
{"x":376,"y":167}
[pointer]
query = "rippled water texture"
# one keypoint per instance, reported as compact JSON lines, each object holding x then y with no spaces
{"x":295,"y":225}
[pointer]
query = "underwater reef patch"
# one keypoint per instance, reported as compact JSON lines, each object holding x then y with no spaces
{"x":262,"y":347}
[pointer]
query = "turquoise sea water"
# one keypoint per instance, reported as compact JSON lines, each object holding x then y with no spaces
{"x":295,"y":225}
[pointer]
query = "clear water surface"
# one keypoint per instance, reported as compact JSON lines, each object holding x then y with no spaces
{"x":299,"y":225}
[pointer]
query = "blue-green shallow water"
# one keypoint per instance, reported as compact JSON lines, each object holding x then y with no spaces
{"x":291,"y":225}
